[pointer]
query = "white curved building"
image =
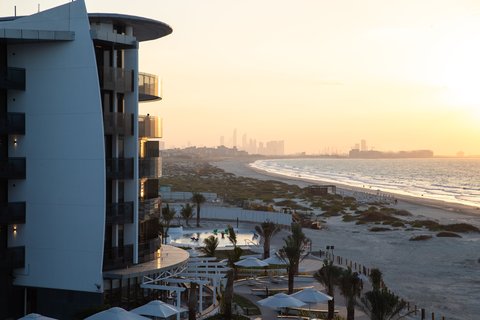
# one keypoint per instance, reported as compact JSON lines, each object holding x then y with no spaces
{"x":78,"y":173}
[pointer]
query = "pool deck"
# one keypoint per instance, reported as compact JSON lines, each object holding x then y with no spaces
{"x":170,"y":258}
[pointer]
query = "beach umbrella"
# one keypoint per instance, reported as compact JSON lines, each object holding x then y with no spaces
{"x":116,"y":313}
{"x":35,"y":316}
{"x":157,"y":308}
{"x":251,"y":262}
{"x":276,"y":260}
{"x":281,"y":300}
{"x":311,"y":295}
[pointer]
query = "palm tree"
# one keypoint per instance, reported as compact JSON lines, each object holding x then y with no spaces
{"x":350,"y":286}
{"x":292,"y":251}
{"x":384,"y":305}
{"x":192,"y":301}
{"x":328,"y":275}
{"x":198,"y":198}
{"x":187,"y":212}
{"x":233,"y":256}
{"x":167,"y":217}
{"x":377,"y":278}
{"x":267,"y":230}
{"x":210,"y":245}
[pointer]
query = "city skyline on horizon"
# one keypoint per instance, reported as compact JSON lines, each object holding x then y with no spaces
{"x":399,"y":74}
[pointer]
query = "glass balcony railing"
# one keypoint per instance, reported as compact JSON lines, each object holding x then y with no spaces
{"x":118,"y":123}
{"x":149,"y":208}
{"x":12,"y":123}
{"x":120,"y":213}
{"x":13,"y":168}
{"x":117,"y":257}
{"x":150,"y":168}
{"x":116,"y":79}
{"x":149,"y":127}
{"x":147,"y":87}
{"x":119,"y":168}
{"x":13,"y":79}
{"x":12,"y":212}
{"x":147,"y":250}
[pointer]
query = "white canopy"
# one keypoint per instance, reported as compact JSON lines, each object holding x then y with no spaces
{"x":35,"y":316}
{"x":310,"y":295}
{"x":251,"y":262}
{"x":116,"y":313}
{"x":157,"y":308}
{"x":281,"y":300}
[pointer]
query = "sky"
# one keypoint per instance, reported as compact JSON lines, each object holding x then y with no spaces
{"x":320,"y":75}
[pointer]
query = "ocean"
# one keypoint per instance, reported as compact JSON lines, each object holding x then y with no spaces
{"x":441,"y":275}
{"x":455,"y":180}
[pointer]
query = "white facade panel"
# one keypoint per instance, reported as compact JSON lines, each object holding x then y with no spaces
{"x":63,"y":145}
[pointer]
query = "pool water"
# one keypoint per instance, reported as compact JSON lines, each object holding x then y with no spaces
{"x":195,"y":238}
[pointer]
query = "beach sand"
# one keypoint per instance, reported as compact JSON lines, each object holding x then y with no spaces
{"x":440,"y":275}
{"x":443,"y":212}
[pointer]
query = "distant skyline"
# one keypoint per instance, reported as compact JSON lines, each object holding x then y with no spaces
{"x":402,"y":75}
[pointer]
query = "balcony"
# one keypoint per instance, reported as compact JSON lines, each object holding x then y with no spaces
{"x":13,"y":79}
{"x":120,"y":213}
{"x":117,"y":257}
{"x":116,"y":79}
{"x":147,"y":251}
{"x":149,"y":127}
{"x":13,"y":257}
{"x":13,"y":168}
{"x":12,"y":123}
{"x":12,"y":213}
{"x":147,"y":87}
{"x":118,"y":123}
{"x":149,"y":208}
{"x":150,"y":168}
{"x":119,"y":168}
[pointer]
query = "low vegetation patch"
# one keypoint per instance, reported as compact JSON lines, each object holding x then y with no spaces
{"x":379,"y":229}
{"x":447,"y":234}
{"x":421,"y":237}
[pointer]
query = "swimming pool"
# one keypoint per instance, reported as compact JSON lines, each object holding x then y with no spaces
{"x":195,"y":238}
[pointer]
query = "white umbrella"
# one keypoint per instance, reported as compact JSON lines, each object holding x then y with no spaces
{"x":157,"y":308}
{"x":275,"y":260}
{"x":310,"y":295}
{"x":35,"y":316}
{"x":251,"y":262}
{"x":116,"y":313}
{"x":281,"y":300}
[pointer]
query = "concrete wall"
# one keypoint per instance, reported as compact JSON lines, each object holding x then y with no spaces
{"x":232,"y":213}
{"x":64,"y":187}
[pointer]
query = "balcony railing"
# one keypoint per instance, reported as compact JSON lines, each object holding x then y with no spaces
{"x":12,"y":212}
{"x":13,"y":79}
{"x":120,"y":213}
{"x":150,"y":168}
{"x":148,"y":208}
{"x":118,"y":257}
{"x":119,"y":168}
{"x":149,"y":127}
{"x":117,"y":79}
{"x":147,"y":87}
{"x":118,"y":123}
{"x":12,"y":123}
{"x":13,"y":168}
{"x":13,"y":257}
{"x":147,"y":251}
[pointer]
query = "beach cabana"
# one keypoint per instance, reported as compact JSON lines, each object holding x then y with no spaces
{"x":281,"y":300}
{"x":35,"y":316}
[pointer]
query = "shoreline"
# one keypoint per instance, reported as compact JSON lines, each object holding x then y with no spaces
{"x":417,"y":206}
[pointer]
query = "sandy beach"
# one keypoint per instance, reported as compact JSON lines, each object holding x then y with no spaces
{"x":444,"y":212}
{"x":440,"y":275}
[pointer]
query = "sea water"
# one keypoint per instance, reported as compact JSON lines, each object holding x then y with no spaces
{"x":441,"y":275}
{"x":455,"y":180}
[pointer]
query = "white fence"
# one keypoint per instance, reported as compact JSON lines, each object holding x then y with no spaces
{"x":231,"y":214}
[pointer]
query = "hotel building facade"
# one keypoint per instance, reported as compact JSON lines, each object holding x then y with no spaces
{"x":79,"y":165}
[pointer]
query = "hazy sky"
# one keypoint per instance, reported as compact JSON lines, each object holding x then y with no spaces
{"x":318,"y":74}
